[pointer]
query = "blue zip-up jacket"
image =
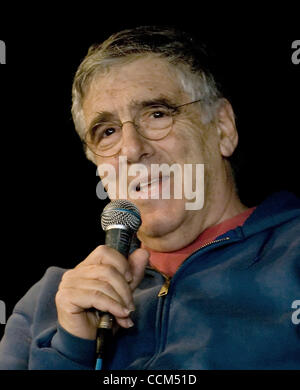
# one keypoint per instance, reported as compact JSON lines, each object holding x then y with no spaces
{"x":231,"y":305}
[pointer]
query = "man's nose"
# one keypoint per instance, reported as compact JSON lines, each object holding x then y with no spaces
{"x":134,"y":146}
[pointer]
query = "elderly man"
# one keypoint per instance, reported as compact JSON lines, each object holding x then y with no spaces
{"x":211,"y":287}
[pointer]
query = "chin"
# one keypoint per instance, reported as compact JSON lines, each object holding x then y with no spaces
{"x":160,"y":217}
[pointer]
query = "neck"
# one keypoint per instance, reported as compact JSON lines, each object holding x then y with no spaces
{"x":219,"y":206}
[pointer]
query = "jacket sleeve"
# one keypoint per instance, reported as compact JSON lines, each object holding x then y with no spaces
{"x":33,"y":339}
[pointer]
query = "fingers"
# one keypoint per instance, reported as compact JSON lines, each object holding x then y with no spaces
{"x":125,"y":322}
{"x":97,"y":285}
{"x":76,"y":301}
{"x":104,"y":279}
{"x":138,"y":261}
{"x":107,"y":256}
{"x":132,"y":269}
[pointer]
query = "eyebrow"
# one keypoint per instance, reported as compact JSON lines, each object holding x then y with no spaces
{"x":160,"y":101}
{"x":105,"y":116}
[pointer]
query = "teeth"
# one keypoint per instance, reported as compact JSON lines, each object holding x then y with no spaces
{"x":146,"y":184}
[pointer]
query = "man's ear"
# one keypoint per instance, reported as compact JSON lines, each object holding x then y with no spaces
{"x":228,"y":136}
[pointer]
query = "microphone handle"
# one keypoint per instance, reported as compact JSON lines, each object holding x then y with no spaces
{"x":119,"y":239}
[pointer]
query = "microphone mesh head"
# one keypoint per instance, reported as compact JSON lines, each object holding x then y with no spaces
{"x":121,"y":212}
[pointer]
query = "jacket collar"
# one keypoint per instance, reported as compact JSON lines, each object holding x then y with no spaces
{"x":278,"y":208}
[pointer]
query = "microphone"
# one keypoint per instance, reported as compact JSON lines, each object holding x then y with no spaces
{"x":120,"y":220}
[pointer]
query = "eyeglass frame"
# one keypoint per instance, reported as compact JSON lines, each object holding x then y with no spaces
{"x":121,"y":124}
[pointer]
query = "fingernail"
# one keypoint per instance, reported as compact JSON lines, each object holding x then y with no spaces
{"x":131,"y":307}
{"x":128,"y":276}
{"x":129,"y":323}
{"x":126,"y":311}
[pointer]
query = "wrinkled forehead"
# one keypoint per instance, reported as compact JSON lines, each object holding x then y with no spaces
{"x":126,"y":84}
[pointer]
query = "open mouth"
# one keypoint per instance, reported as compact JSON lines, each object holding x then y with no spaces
{"x":145,"y":188}
{"x":146,"y":185}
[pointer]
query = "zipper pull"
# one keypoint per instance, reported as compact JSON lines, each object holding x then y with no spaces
{"x":165,"y":288}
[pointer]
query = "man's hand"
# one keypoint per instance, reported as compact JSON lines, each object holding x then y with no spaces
{"x":104,"y":281}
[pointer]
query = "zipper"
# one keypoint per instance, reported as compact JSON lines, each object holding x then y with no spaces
{"x":161,"y":304}
{"x":165,"y":287}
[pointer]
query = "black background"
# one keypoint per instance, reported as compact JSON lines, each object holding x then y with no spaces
{"x":50,"y":212}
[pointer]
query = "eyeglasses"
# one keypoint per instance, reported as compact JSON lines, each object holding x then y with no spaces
{"x":153,"y":123}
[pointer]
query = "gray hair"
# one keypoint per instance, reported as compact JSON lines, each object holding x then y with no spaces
{"x":187,"y":57}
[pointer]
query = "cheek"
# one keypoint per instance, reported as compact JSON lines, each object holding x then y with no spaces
{"x":190,"y":140}
{"x":198,"y":144}
{"x":108,"y":171}
{"x":203,"y":139}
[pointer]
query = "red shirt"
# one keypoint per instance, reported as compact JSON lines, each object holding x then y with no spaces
{"x":168,"y":262}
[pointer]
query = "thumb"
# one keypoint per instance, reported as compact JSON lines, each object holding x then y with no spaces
{"x":138,"y":260}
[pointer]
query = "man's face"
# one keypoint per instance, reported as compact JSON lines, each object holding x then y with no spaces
{"x":120,"y":93}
